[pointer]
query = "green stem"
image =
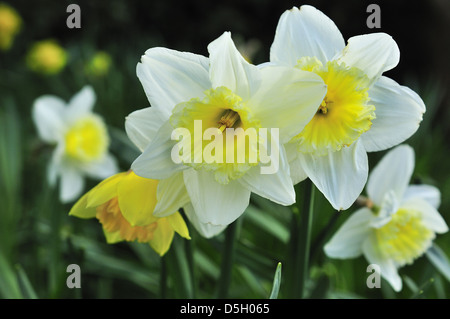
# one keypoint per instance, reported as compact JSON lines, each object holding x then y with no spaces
{"x":227,"y":261}
{"x":300,"y":241}
{"x":305,"y":236}
{"x":163,"y":279}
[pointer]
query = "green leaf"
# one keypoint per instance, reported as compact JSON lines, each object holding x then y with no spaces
{"x":9,"y":287}
{"x":276,"y":283}
{"x":267,"y":223}
{"x":439,"y":260}
{"x":25,"y":284}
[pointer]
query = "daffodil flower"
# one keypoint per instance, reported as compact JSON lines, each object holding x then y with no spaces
{"x":124,"y":205}
{"x":223,"y":91}
{"x":362,"y":111}
{"x":400,"y":220}
{"x":81,"y":140}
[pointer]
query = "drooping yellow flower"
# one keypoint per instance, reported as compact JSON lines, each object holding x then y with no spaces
{"x":46,"y":57}
{"x":99,"y":64}
{"x":10,"y":24}
{"x":124,"y":205}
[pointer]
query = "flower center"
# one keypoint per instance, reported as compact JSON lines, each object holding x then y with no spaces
{"x":87,"y":139}
{"x":343,"y":115}
{"x":222,"y":149}
{"x":112,"y":220}
{"x":404,"y":238}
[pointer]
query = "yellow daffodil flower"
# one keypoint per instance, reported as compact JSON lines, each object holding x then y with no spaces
{"x":124,"y":205}
{"x":46,"y":57}
{"x":10,"y":25}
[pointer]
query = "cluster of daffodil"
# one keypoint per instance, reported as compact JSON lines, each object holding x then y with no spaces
{"x":331,"y":105}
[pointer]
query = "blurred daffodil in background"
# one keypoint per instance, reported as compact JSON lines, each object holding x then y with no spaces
{"x":124,"y":205}
{"x":99,"y":64}
{"x":362,"y":111}
{"x":399,"y":223}
{"x":81,"y":139}
{"x":46,"y":57}
{"x":10,"y":25}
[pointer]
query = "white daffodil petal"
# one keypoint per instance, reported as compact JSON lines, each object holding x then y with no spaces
{"x":298,"y":174}
{"x":398,"y":111}
{"x":205,"y":229}
{"x":171,"y":194}
{"x":287,"y":99}
{"x":429,"y":193}
{"x":392,"y":173}
{"x":229,"y":68}
{"x":430,"y":216}
{"x":81,"y":103}
{"x":102,"y":169}
{"x":372,"y":53}
{"x":170,"y":77}
{"x":215,"y":203}
{"x":276,"y":186}
{"x":141,"y":126}
{"x":347,"y":241}
{"x":71,"y":185}
{"x":48,"y":115}
{"x":305,"y":32}
{"x":156,"y":162}
{"x":340,"y":175}
{"x":388,"y":268}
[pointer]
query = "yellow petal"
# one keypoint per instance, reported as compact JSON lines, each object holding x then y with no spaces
{"x":80,"y":209}
{"x":112,"y":238}
{"x":137,"y":199}
{"x":105,"y":190}
{"x":162,"y":237}
{"x":178,"y":224}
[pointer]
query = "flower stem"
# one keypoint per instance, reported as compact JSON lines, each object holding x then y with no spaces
{"x":227,"y":261}
{"x":305,"y":236}
{"x":300,"y":241}
{"x":163,"y":279}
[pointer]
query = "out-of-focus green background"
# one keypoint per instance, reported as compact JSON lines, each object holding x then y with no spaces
{"x":38,"y":239}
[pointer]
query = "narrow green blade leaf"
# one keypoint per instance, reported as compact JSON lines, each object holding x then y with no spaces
{"x":439,"y":260}
{"x":25,"y":284}
{"x":276,"y":283}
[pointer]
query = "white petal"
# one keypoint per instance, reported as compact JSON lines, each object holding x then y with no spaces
{"x":48,"y":115}
{"x":102,"y":169}
{"x":340,"y":175}
{"x":81,"y":103}
{"x":156,"y":162}
{"x":277,"y":186}
{"x":388,"y":207}
{"x":171,"y":194}
{"x":387,"y":267}
{"x":215,"y":203}
{"x":298,"y":174}
{"x":372,"y":53}
{"x":170,"y":77}
{"x":398,"y":111}
{"x":205,"y":229}
{"x":429,"y":193}
{"x":430,"y":216}
{"x":347,"y":241}
{"x":228,"y":68}
{"x":141,"y":126}
{"x":71,"y":185}
{"x":392,"y":173}
{"x":305,"y":32}
{"x":287,"y":99}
